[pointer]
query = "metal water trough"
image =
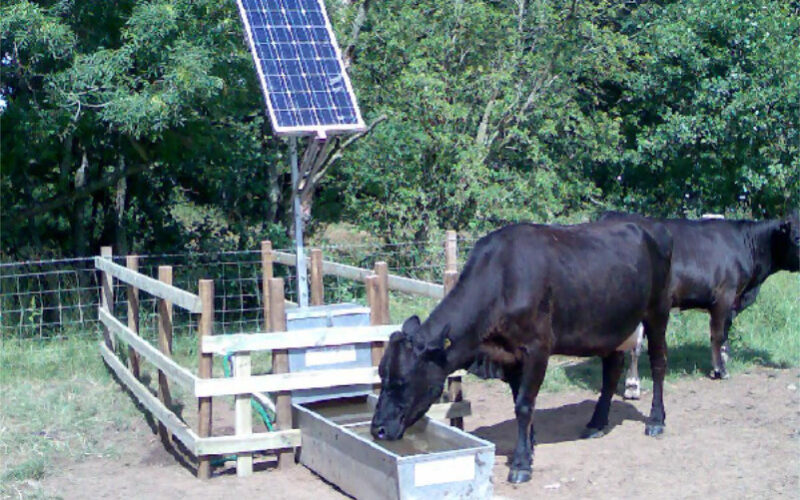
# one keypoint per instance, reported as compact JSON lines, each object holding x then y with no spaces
{"x":433,"y":460}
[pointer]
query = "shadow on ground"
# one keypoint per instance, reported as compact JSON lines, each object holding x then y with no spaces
{"x":557,"y":425}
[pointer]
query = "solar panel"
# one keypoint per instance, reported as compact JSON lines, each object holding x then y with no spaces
{"x":300,"y":67}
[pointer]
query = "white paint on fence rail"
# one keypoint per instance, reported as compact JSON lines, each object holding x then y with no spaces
{"x":315,"y":379}
{"x":310,"y":337}
{"x":397,"y":283}
{"x":220,"y":445}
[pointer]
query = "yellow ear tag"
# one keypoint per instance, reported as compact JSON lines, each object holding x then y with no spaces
{"x":447,"y":343}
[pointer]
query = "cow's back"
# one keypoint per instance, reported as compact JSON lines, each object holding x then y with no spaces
{"x":599,"y":279}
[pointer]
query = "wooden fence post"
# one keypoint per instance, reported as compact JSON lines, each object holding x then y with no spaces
{"x":204,"y":366}
{"x":455,"y":391}
{"x":244,"y":414}
{"x":107,"y":298}
{"x":132,"y":262}
{"x":451,"y":251}
{"x":375,"y":317}
{"x":266,"y":275}
{"x":165,"y":345}
{"x":280,"y":364}
{"x":317,"y":290}
{"x":450,"y":279}
{"x":382,"y":292}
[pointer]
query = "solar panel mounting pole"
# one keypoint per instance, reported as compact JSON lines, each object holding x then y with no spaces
{"x":302,"y":274}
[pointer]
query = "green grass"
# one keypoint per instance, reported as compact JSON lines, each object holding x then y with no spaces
{"x":58,"y":404}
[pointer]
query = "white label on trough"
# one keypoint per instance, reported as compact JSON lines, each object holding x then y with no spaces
{"x":448,"y":470}
{"x":330,"y":355}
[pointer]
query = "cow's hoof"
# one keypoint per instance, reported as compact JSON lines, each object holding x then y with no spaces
{"x":591,"y":433}
{"x":719,"y":375}
{"x":516,"y":476}
{"x":632,"y":392}
{"x":654,"y":430}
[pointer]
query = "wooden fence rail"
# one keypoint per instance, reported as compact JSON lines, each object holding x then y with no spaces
{"x":178,"y":297}
{"x":396,"y":283}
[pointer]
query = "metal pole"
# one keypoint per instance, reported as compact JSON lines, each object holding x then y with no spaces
{"x":302,"y":274}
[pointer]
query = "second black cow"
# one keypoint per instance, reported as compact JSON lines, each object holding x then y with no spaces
{"x":529,"y":291}
{"x":719,"y":266}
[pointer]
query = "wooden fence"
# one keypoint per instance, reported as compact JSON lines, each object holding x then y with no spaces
{"x":243,"y":385}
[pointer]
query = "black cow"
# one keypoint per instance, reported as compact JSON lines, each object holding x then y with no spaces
{"x":529,"y":291}
{"x":719,"y":266}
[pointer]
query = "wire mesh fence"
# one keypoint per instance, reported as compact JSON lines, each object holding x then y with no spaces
{"x":59,"y":298}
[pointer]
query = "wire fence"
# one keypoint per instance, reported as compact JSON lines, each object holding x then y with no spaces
{"x":52,"y":299}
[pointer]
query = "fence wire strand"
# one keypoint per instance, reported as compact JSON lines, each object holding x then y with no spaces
{"x":51,"y":299}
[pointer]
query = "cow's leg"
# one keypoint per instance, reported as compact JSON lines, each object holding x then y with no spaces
{"x":655,"y":330}
{"x":633,"y":384}
{"x":720,"y":324}
{"x":531,"y":377}
{"x":612,"y":369}
{"x":513,"y":376}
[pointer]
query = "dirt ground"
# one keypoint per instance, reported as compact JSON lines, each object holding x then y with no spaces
{"x":738,"y":438}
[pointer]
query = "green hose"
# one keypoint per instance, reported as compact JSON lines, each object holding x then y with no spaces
{"x":259,"y":409}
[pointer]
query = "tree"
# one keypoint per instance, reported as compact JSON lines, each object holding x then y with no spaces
{"x":712,"y":109}
{"x":134,"y":122}
{"x":495,"y":114}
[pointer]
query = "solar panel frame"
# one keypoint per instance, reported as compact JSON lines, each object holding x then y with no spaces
{"x":320,"y":129}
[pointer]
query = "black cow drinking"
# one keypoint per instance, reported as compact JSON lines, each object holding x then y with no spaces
{"x":529,"y":291}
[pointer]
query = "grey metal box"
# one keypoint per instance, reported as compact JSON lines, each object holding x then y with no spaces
{"x":322,"y":358}
{"x":432,"y":460}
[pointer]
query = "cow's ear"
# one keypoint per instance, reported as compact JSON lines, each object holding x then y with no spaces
{"x":435,"y":348}
{"x":411,"y":325}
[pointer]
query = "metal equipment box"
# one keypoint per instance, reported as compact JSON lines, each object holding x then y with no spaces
{"x":331,"y":357}
{"x":432,"y":460}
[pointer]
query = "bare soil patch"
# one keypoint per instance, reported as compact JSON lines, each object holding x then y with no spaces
{"x":738,"y":438}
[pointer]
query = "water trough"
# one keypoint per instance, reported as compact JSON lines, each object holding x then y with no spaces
{"x":433,"y":460}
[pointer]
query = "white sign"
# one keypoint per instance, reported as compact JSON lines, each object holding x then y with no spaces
{"x":448,"y":470}
{"x":330,"y":355}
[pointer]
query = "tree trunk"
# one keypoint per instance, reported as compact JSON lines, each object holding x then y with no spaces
{"x":79,"y":243}
{"x":120,"y":231}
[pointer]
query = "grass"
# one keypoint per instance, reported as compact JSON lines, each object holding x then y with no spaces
{"x":59,"y":404}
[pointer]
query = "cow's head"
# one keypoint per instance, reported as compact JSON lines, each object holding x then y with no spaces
{"x":413,"y":370}
{"x":788,"y":244}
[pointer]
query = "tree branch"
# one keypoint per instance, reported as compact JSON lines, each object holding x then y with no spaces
{"x":85,"y":191}
{"x":328,"y":156}
{"x":358,"y":23}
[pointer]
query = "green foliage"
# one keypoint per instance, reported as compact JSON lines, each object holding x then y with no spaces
{"x":484,"y":122}
{"x":117,"y":115}
{"x":712,"y":108}
{"x":497,"y":111}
